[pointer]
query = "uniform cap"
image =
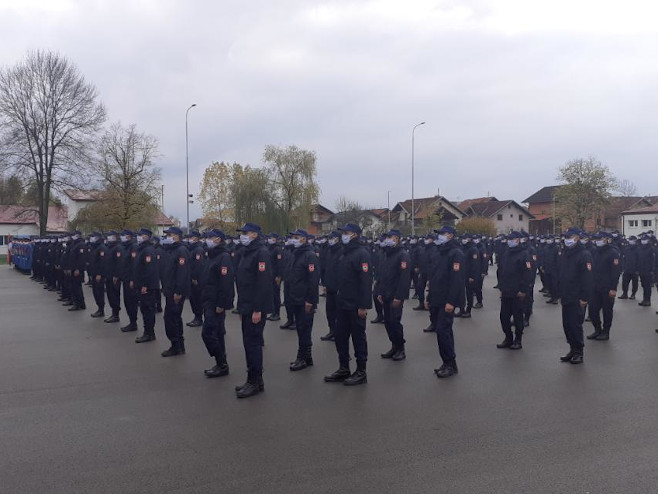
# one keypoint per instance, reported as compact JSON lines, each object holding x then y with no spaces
{"x":174,"y":230}
{"x":351,"y":227}
{"x":573,"y":231}
{"x":334,"y":234}
{"x":195,"y":233}
{"x":128,"y":232}
{"x":447,"y":229}
{"x":145,"y":231}
{"x":215,"y":232}
{"x":514,"y":234}
{"x":300,"y":232}
{"x":394,"y":233}
{"x":249,"y":227}
{"x":273,"y":235}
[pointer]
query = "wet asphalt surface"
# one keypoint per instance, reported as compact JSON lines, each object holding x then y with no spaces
{"x":83,"y":409}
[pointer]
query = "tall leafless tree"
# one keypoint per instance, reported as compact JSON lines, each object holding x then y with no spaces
{"x":49,"y":116}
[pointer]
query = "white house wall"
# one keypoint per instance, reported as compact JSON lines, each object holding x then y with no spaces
{"x":510,"y":220}
{"x":645,"y":222}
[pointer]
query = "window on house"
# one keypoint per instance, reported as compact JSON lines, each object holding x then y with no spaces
{"x":3,"y":240}
{"x":500,"y":217}
{"x":646,"y":223}
{"x":632,"y":223}
{"x":520,"y":217}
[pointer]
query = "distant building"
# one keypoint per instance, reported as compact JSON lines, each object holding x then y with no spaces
{"x":423,"y":207}
{"x":24,"y":220}
{"x":542,"y":206}
{"x":639,"y":220}
{"x":507,"y":215}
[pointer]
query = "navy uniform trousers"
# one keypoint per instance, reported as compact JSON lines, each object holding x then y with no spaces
{"x":349,"y":324}
{"x":173,"y":319}
{"x":573,"y":316}
{"x":214,"y":331}
{"x":443,"y":321}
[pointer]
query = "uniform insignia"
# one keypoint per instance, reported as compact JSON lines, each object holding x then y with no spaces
{"x":278,"y":256}
{"x":181,"y":261}
{"x":224,"y":270}
{"x":82,"y":251}
{"x":589,"y":266}
{"x":102,"y":253}
{"x":528,"y":265}
{"x":147,"y":258}
{"x":118,"y":254}
{"x":616,"y":262}
{"x":455,"y":266}
{"x":261,"y":266}
{"x":534,"y":258}
{"x":364,"y":267}
{"x":475,"y":256}
{"x":198,"y":257}
{"x":158,"y":257}
{"x":403,"y":264}
{"x":311,"y":267}
{"x":133,"y":254}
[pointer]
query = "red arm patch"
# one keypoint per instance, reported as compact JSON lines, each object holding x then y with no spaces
{"x":311,"y":267}
{"x":456,"y":266}
{"x":181,"y":261}
{"x":616,"y":262}
{"x":224,"y":270}
{"x":403,"y":264}
{"x":261,"y":267}
{"x":589,"y":266}
{"x":147,"y":259}
{"x":364,"y":267}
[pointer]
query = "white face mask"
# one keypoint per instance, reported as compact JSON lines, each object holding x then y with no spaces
{"x":600,"y":243}
{"x":245,"y":240}
{"x":569,"y":242}
{"x":428,"y":241}
{"x":346,"y":238}
{"x":644,"y":242}
{"x":464,"y":241}
{"x":389,"y":242}
{"x":124,"y":238}
{"x":584,"y":241}
{"x":93,"y":240}
{"x":549,"y":242}
{"x":112,"y":238}
{"x":413,"y":241}
{"x":140,"y":240}
{"x":631,"y":242}
{"x":210,"y":243}
{"x":271,"y":241}
{"x":167,"y":240}
{"x":441,"y":239}
{"x":296,"y":242}
{"x":512,"y":243}
{"x":476,"y":240}
{"x":75,"y":237}
{"x":333,"y":241}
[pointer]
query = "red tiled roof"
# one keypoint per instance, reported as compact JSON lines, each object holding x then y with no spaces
{"x":83,"y":195}
{"x":646,"y":210}
{"x":29,"y":215}
{"x":464,"y":205}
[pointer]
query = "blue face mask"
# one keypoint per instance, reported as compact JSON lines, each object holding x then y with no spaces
{"x":296,"y":243}
{"x":167,"y":241}
{"x":441,"y":239}
{"x":245,"y":240}
{"x":512,"y":243}
{"x":600,"y":243}
{"x":389,"y":242}
{"x":346,"y":239}
{"x":570,"y":242}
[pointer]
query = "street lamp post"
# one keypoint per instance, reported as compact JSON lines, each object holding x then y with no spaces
{"x":413,"y":212}
{"x":388,"y":206}
{"x":187,"y":171}
{"x":162,"y":201}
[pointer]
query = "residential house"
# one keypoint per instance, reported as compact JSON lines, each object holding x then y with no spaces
{"x":639,"y":220}
{"x":24,"y":220}
{"x":541,"y":205}
{"x":424,"y":207}
{"x":321,"y":220}
{"x":507,"y":215}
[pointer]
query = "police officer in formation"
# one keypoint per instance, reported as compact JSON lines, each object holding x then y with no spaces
{"x":515,"y":281}
{"x":606,"y":269}
{"x":354,"y":298}
{"x":144,"y":280}
{"x":254,"y":284}
{"x":332,"y":254}
{"x":391,"y":289}
{"x":97,"y":270}
{"x":303,"y":295}
{"x":197,"y":259}
{"x":175,"y":274}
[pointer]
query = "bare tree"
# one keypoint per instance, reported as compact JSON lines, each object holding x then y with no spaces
{"x":625,"y":188}
{"x":49,"y":117}
{"x":129,"y":176}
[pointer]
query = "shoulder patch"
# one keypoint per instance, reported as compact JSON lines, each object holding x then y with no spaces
{"x":528,"y":265}
{"x":224,"y":270}
{"x":133,"y":254}
{"x":475,"y":256}
{"x":181,"y":261}
{"x":311,"y":267}
{"x":364,"y":267}
{"x":158,"y":257}
{"x":118,"y":253}
{"x":82,"y":251}
{"x":278,"y":256}
{"x":147,"y":259}
{"x":589,"y":266}
{"x":403,"y":264}
{"x":261,"y":267}
{"x":456,"y":266}
{"x":198,"y":257}
{"x":616,"y":261}
{"x":102,"y":253}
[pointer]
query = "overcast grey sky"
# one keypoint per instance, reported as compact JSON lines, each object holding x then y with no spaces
{"x":510,"y":89}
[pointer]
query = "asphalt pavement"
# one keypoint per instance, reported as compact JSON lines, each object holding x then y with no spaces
{"x":83,"y":409}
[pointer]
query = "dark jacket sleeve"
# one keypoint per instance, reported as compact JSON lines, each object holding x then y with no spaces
{"x":456,"y":291}
{"x":365,"y":280}
{"x":402,"y":290}
{"x":615,"y":269}
{"x":263,"y":296}
{"x":585,"y":268}
{"x":183,"y":272}
{"x":528,"y":273}
{"x":226,"y":293}
{"x":313,"y":278}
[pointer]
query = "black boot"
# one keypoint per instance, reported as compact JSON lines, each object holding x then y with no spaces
{"x":604,"y":336}
{"x":518,"y":344}
{"x":195,"y":323}
{"x":274,"y":317}
{"x":175,"y":349}
{"x":419,"y":307}
{"x":466,"y":314}
{"x":378,"y":320}
{"x":251,"y":388}
{"x":577,"y":358}
{"x":261,"y":385}
{"x":113,"y":318}
{"x":145,"y":338}
{"x":623,"y":296}
{"x":645,"y":303}
{"x":389,"y":354}
{"x":98,"y":313}
{"x":448,"y":369}
{"x":219,"y":370}
{"x":595,"y":334}
{"x":399,"y":355}
{"x":359,"y":377}
{"x":339,"y":376}
{"x":130,"y":327}
{"x":506,"y":343}
{"x":567,"y":357}
{"x":288,"y":325}
{"x":429,"y":329}
{"x":300,"y":362}
{"x":76,"y":308}
{"x":308,"y":357}
{"x":328,"y":337}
